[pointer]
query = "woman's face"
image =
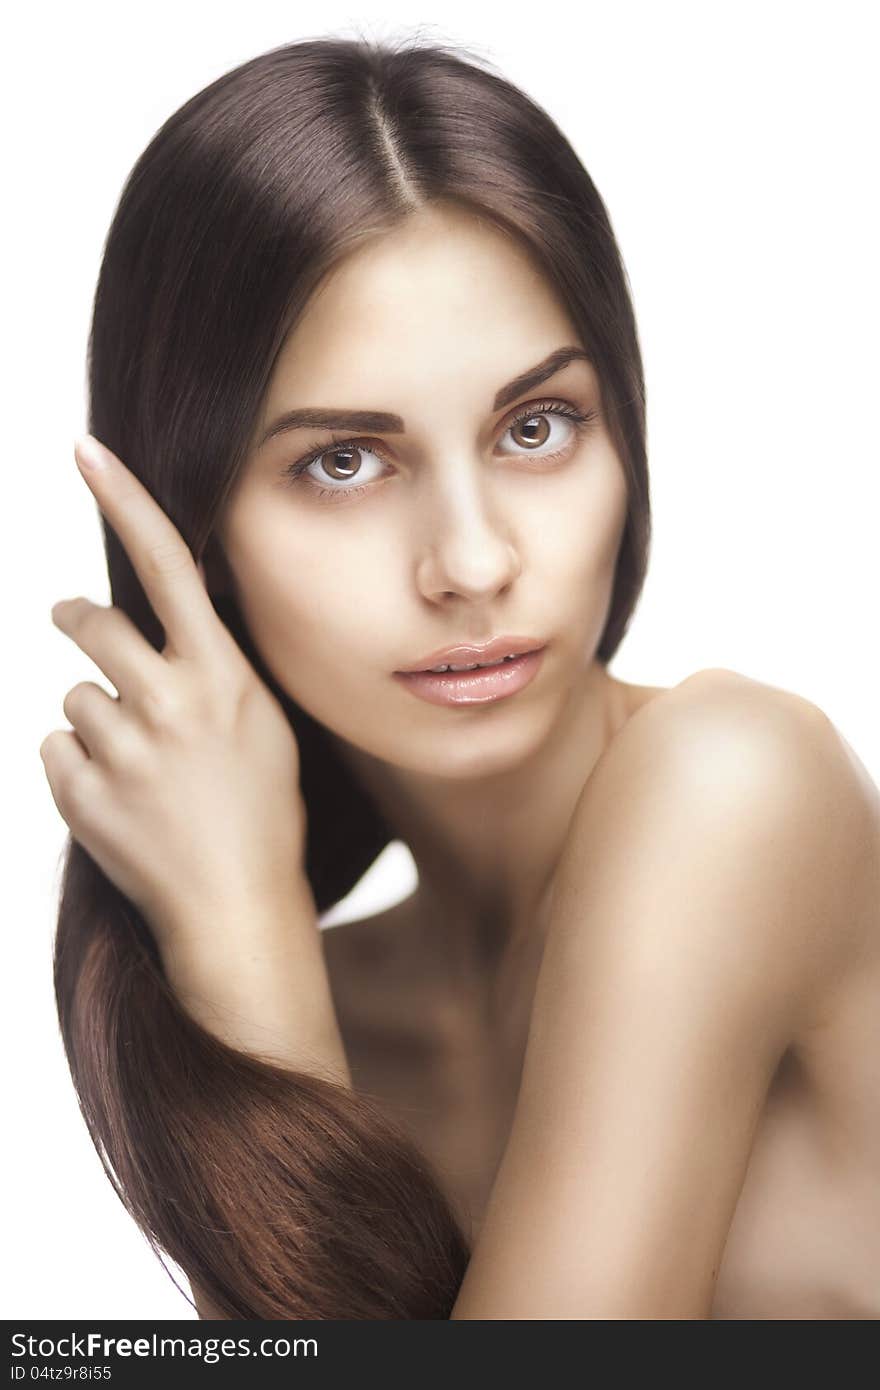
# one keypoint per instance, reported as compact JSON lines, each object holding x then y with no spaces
{"x":454,"y":524}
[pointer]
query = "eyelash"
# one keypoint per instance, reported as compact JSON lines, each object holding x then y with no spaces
{"x":294,"y":471}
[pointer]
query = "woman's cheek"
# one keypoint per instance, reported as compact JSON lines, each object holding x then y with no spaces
{"x":580,"y":526}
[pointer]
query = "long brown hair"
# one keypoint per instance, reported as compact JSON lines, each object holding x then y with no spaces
{"x":279,"y":1194}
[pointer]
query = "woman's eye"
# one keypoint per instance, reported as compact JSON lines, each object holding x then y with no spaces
{"x":341,"y":466}
{"x":544,"y":432}
{"x":339,"y":470}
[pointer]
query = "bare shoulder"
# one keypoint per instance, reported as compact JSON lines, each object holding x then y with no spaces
{"x":719,"y":692}
{"x":794,"y":741}
{"x":750,"y":783}
{"x":702,"y":903}
{"x":746,"y":726}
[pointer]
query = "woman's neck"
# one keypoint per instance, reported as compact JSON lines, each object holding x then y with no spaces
{"x":486,"y":848}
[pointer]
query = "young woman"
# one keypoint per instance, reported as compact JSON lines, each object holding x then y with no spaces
{"x":365,"y":370}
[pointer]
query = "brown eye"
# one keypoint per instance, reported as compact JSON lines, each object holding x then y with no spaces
{"x":344,"y":463}
{"x":534,"y":430}
{"x":537,"y":426}
{"x":337,"y":465}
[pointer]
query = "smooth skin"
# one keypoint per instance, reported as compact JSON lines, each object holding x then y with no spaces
{"x":464,"y":530}
{"x":718,"y":891}
{"x":593,"y":883}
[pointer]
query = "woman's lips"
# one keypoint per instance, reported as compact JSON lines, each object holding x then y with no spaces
{"x":468,"y":653}
{"x":479,"y":687}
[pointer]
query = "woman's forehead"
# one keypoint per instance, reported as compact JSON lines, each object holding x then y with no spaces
{"x":358,"y":345}
{"x":469,"y":274}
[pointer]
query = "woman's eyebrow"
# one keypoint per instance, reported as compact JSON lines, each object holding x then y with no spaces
{"x":380,"y":422}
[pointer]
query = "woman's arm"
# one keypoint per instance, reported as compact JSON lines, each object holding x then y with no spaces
{"x":713,"y":886}
{"x":262,"y":988}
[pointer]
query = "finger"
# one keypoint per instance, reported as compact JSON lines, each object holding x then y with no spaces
{"x":161,"y":558}
{"x":98,"y":720}
{"x":114,"y":643}
{"x":64,"y":759}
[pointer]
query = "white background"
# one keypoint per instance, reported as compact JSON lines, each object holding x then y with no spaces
{"x":735,"y":147}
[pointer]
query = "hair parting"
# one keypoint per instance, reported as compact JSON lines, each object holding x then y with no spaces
{"x":278,"y":1193}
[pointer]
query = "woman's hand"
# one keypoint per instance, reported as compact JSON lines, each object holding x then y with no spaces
{"x":184,"y":788}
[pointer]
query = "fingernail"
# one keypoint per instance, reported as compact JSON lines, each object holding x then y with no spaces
{"x":90,"y":454}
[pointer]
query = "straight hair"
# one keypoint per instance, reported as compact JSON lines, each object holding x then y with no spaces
{"x":278,"y":1193}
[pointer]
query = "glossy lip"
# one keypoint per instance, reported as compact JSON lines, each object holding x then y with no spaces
{"x":464,"y":653}
{"x":473,"y":687}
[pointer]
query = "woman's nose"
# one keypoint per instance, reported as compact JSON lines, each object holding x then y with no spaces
{"x":467,"y":547}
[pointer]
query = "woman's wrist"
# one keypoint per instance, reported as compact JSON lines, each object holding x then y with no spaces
{"x":255,"y":976}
